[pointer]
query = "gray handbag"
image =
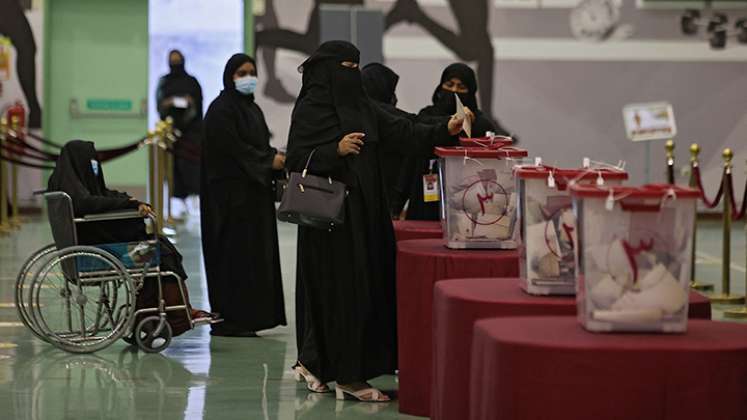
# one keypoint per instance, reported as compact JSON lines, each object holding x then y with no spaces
{"x":313,"y":201}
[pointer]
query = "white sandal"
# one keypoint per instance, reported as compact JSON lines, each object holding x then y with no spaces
{"x":301,"y":374}
{"x":369,"y":394}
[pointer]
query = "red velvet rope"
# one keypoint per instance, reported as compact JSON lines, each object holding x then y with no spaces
{"x":708,"y":203}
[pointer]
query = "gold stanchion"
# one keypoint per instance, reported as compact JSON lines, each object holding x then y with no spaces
{"x":152,"y":143}
{"x":169,"y":137}
{"x":160,"y":175}
{"x":669,"y":146}
{"x":726,"y":296}
{"x":740,"y":313}
{"x":15,"y":218}
{"x":4,"y":222}
{"x":694,"y":284}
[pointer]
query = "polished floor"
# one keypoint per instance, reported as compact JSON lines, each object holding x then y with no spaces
{"x":200,"y":377}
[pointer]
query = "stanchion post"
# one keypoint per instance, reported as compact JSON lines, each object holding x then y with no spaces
{"x":169,"y":136}
{"x":4,"y":222}
{"x":694,"y":284}
{"x":669,"y":146}
{"x":726,"y":296}
{"x":741,"y":313}
{"x":15,"y":218}
{"x":152,"y":150}
{"x":160,"y":172}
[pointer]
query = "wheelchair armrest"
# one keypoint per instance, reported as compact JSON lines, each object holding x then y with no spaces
{"x":112,"y":215}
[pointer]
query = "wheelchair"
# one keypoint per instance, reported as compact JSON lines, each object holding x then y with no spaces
{"x":82,"y":298}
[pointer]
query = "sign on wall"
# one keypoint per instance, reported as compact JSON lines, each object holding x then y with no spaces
{"x":649,"y":121}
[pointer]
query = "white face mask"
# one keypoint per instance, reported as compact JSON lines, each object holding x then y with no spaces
{"x":246,"y":85}
{"x":95,"y":167}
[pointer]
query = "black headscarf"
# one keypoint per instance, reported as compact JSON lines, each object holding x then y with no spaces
{"x":445,"y":101}
{"x":331,"y":96}
{"x":74,"y":174}
{"x":176,"y":70}
{"x":380,"y":83}
{"x":233,"y":64}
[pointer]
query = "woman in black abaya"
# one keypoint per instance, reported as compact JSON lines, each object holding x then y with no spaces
{"x":457,"y":79}
{"x":78,"y":173}
{"x":239,"y":230}
{"x":347,"y":275}
{"x":179,"y":96}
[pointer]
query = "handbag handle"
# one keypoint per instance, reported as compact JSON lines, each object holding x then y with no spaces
{"x":306,"y":168}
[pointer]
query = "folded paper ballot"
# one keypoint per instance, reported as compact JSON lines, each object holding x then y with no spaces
{"x":467,"y":124}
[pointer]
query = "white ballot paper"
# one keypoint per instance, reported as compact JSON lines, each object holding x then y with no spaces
{"x":180,"y":102}
{"x":467,"y":124}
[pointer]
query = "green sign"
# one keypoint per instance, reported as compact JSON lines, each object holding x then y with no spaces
{"x":109,"y":104}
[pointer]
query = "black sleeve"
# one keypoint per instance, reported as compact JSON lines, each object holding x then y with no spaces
{"x":94,"y":204}
{"x":254,"y":162}
{"x":162,"y":112}
{"x":413,"y":139}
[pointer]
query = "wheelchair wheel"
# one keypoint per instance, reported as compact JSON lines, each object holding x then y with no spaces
{"x":82,"y":299}
{"x":23,"y":287}
{"x":149,"y":337}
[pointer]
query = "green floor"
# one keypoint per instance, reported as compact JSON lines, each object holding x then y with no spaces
{"x":199,"y":376}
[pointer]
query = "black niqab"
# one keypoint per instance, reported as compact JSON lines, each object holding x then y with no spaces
{"x":380,"y":83}
{"x":444,"y":100}
{"x":177,"y":69}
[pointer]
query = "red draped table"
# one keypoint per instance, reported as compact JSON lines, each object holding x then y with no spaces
{"x":405,"y":230}
{"x":457,"y":304}
{"x":551,"y":368}
{"x":420,"y":264}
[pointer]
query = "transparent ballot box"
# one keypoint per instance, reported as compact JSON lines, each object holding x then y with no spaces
{"x":478,"y":198}
{"x":548,"y":226}
{"x":634,"y":255}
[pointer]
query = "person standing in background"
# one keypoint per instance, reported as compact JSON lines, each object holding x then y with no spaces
{"x":239,"y":228}
{"x":179,"y":96}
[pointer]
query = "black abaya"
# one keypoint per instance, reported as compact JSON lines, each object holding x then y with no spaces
{"x":79,"y":174}
{"x":178,"y":83}
{"x":239,"y":230}
{"x":347,"y":275}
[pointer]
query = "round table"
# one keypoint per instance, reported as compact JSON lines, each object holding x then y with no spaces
{"x":457,"y":304}
{"x":420,"y":264}
{"x":405,"y":230}
{"x":551,"y":368}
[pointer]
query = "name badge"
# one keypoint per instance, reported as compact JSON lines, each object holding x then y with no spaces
{"x":431,"y":192}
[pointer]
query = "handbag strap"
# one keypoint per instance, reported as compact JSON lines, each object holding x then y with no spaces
{"x":306,"y":168}
{"x":308,"y":161}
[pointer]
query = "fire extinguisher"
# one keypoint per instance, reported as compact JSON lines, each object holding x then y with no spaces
{"x":17,"y":111}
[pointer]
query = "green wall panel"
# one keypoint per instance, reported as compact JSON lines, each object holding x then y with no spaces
{"x":98,"y":49}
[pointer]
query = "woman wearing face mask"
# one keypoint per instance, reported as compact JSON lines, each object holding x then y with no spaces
{"x":179,"y":96}
{"x":345,"y":276}
{"x":239,"y":231}
{"x":456,"y":79}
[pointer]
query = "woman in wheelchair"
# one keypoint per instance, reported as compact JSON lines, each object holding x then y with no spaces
{"x":79,"y":174}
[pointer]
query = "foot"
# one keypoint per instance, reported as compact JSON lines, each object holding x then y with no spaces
{"x":313,"y":384}
{"x":276,"y":91}
{"x":360,"y":391}
{"x":202,"y":317}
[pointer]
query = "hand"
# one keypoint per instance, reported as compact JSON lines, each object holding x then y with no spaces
{"x":278,"y":162}
{"x":455,"y":125}
{"x":350,"y":144}
{"x":145,"y":210}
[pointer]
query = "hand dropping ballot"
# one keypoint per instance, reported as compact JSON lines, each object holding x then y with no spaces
{"x":467,"y":124}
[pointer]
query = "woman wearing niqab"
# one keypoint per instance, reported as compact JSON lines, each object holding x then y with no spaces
{"x":456,"y":78}
{"x":79,"y":174}
{"x":346,"y":305}
{"x":239,"y":229}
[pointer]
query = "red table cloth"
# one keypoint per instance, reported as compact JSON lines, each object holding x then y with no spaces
{"x":551,"y":368}
{"x":420,"y":264}
{"x":457,"y":304}
{"x":405,"y":230}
